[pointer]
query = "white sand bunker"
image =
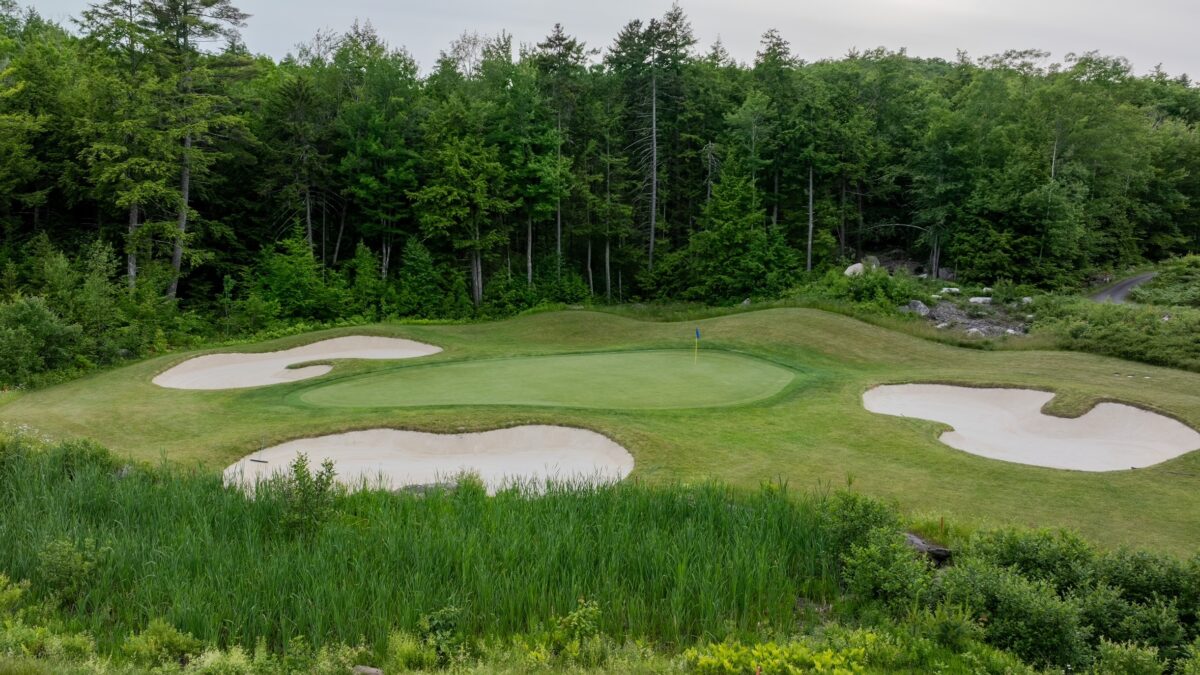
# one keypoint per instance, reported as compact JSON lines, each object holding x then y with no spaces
{"x":393,"y":459}
{"x":238,"y":371}
{"x":1008,"y":424}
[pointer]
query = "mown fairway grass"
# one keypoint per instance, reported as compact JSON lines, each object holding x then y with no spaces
{"x":813,"y":434}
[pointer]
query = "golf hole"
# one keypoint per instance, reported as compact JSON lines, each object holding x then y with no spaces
{"x":393,"y":459}
{"x":1009,"y":425}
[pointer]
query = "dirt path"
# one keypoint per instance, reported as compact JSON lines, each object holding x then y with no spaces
{"x":1119,"y":292}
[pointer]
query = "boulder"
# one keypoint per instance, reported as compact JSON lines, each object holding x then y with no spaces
{"x":1009,"y":331}
{"x":746,"y":302}
{"x":366,"y":670}
{"x":950,"y":289}
{"x":986,"y":290}
{"x":939,"y":555}
{"x":980,"y":301}
{"x":871,"y":261}
{"x":916,"y":307}
{"x":942,"y":325}
{"x":974,"y":332}
{"x":854,"y":270}
{"x":1027,"y":300}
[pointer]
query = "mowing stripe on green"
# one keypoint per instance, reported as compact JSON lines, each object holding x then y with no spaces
{"x":658,"y":379}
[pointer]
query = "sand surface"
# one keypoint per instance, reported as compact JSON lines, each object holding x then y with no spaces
{"x":1008,"y":424}
{"x":393,"y":458}
{"x":238,"y":371}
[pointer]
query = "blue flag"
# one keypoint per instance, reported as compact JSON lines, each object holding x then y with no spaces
{"x":697,"y":333}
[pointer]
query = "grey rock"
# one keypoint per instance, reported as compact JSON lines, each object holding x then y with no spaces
{"x":1026,"y":300}
{"x":366,"y":670}
{"x":980,"y":301}
{"x":950,"y":289}
{"x":939,"y":555}
{"x":974,"y":332}
{"x":1009,"y":331}
{"x":917,"y":307}
{"x":986,"y":289}
{"x":942,"y":326}
{"x":854,"y":270}
{"x":746,"y":302}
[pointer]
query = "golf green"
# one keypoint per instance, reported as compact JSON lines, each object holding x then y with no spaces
{"x":615,"y":380}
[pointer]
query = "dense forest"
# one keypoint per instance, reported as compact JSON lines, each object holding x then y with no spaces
{"x":149,"y":162}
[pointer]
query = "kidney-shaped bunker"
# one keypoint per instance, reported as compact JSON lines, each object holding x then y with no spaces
{"x":393,"y":459}
{"x":242,"y":370}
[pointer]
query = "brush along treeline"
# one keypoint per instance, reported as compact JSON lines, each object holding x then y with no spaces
{"x":115,"y":566}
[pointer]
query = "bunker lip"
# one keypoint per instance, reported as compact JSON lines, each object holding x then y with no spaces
{"x":243,"y":370}
{"x":394,"y":458}
{"x":1009,"y":425}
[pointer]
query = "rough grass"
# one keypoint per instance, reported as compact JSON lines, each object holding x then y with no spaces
{"x":811,"y":436}
{"x":673,"y":564}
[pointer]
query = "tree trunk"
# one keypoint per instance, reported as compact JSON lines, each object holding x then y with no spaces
{"x":558,"y":206}
{"x":591,"y":285}
{"x":308,"y":228}
{"x":775,"y":206}
{"x":607,"y":269}
{"x":337,"y":245}
{"x":131,"y":265}
{"x":653,"y":165}
{"x":185,"y":186}
{"x":476,"y":270}
{"x":385,"y":256}
{"x":808,"y":259}
{"x":529,"y":249}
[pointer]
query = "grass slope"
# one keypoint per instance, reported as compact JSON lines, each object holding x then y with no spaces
{"x":812,"y":435}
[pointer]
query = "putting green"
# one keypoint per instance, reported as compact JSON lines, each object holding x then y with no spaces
{"x":643,"y":379}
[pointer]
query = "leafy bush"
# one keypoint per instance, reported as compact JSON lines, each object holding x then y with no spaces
{"x":884,"y":568}
{"x":67,"y":568}
{"x":1177,"y":283}
{"x":770,"y":658}
{"x":161,"y":644}
{"x":1058,"y":557}
{"x":1156,"y":335}
{"x":33,"y":339}
{"x":852,"y":517}
{"x":307,"y":497}
{"x":1017,"y":614}
{"x":1127,"y":659}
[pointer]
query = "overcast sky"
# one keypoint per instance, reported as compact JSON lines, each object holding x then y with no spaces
{"x":1147,"y":32}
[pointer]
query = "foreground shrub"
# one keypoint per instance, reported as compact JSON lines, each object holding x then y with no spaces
{"x":884,"y":568}
{"x":1017,"y":614}
{"x":1060,"y":558}
{"x":1127,"y":659}
{"x":771,"y":658}
{"x":161,"y":644}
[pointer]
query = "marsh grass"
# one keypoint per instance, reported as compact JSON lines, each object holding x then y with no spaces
{"x":674,"y":564}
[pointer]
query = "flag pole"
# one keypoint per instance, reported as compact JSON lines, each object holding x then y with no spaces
{"x":696,"y":353}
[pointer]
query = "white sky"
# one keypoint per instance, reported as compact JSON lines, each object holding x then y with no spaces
{"x":1147,"y":32}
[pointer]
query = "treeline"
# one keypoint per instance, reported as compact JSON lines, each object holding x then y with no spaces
{"x":510,"y":175}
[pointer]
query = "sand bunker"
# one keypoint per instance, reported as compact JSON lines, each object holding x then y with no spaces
{"x":238,"y":371}
{"x":394,"y":459}
{"x":1008,"y":424}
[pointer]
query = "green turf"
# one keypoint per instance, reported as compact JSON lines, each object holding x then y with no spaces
{"x":657,"y":379}
{"x":812,"y":434}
